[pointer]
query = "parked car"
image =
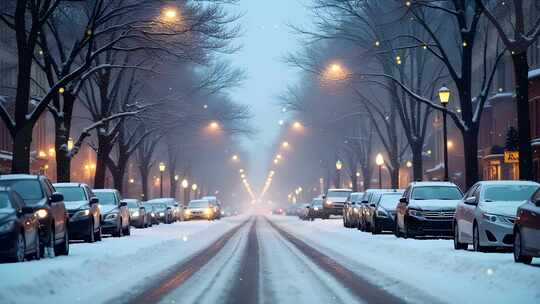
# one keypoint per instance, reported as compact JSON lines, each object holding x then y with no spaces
{"x":115,"y":213}
{"x":316,"y":209}
{"x":367,"y":199}
{"x":278,"y":211}
{"x":350,"y":210}
{"x":199,"y":209}
{"x":83,"y":211}
{"x":216,"y":205}
{"x":19,"y":229}
{"x":485,"y":217}
{"x":334,"y":200}
{"x":382,"y":211}
{"x":303,"y":211}
{"x":527,"y":230}
{"x":164,"y":211}
{"x":427,"y":209}
{"x":137,"y":213}
{"x":38,"y":193}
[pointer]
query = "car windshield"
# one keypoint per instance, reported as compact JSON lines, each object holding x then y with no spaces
{"x":198,"y":204}
{"x":28,"y":189}
{"x":132,"y":204}
{"x":436,"y":193}
{"x":317,"y":202}
{"x":5,"y":203}
{"x":72,"y":194}
{"x":494,"y":193}
{"x":390,"y":201}
{"x":338,"y":194}
{"x":106,"y":198}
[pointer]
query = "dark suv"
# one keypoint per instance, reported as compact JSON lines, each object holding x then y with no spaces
{"x":115,"y":213}
{"x":83,"y":210}
{"x":334,"y":201}
{"x":38,"y":193}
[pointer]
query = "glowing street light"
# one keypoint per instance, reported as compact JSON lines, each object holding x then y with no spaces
{"x":185,"y":183}
{"x":297,"y":125}
{"x":234,"y":157}
{"x":161,"y":170}
{"x":285,"y":144}
{"x":444,"y":96}
{"x":70,"y":144}
{"x":169,"y":14}
{"x":339,"y":166}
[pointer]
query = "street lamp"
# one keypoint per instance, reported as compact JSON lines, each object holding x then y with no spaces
{"x":339,"y":166}
{"x":194,"y":188}
{"x":379,"y":160}
{"x":444,"y":96}
{"x":169,"y":14}
{"x":161,"y":170}
{"x":185,"y":186}
{"x":70,"y":144}
{"x":285,"y":144}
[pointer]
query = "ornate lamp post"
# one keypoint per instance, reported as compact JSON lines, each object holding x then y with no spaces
{"x":444,"y":96}
{"x":185,"y":186}
{"x":379,"y":160}
{"x":161,"y":170}
{"x":339,"y":166}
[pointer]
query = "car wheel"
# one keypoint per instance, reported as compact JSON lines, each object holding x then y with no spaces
{"x":20,"y":249}
{"x":37,"y":253}
{"x":118,"y":232}
{"x":518,"y":252}
{"x":98,"y":234}
{"x":127,"y":231}
{"x":90,"y":238}
{"x":476,"y":240}
{"x":457,"y":244}
{"x":406,"y":233}
{"x":47,"y":248}
{"x":375,"y":229}
{"x":63,"y":248}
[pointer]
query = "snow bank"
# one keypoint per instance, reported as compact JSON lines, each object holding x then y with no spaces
{"x":101,"y":271}
{"x":430,"y":266}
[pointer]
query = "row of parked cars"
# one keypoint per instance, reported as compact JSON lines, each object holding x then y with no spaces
{"x":490,"y":215}
{"x":39,"y":218}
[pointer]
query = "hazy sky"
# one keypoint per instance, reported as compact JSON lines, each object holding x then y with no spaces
{"x":266,"y":39}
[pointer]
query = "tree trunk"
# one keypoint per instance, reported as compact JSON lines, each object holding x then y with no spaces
{"x":366,"y":174}
{"x":173,"y":185}
{"x":62,"y":127}
{"x":22,"y":142}
{"x":144,"y":171}
{"x":418,"y":166}
{"x":104,"y":148}
{"x":521,"y":73}
{"x":118,"y":179}
{"x":354,"y":181}
{"x":394,"y":176}
{"x":471,"y":157}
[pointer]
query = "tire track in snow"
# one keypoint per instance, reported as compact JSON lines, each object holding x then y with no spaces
{"x":246,"y":286}
{"x":181,"y":272}
{"x":357,"y":285}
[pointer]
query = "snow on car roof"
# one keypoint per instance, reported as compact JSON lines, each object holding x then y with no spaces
{"x":60,"y":185}
{"x":104,"y":190}
{"x":18,"y":176}
{"x":433,"y":183}
{"x":508,"y":182}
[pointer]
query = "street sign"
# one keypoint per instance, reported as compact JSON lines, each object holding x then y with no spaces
{"x":511,"y":157}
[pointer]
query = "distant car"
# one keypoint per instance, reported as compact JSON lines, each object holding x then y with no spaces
{"x":485,"y":217}
{"x":527,"y":230}
{"x":334,"y":200}
{"x":427,"y":209}
{"x":303,"y":211}
{"x":83,"y":211}
{"x":316,"y":209}
{"x":350,"y":210}
{"x":165,"y":209}
{"x":19,"y":229}
{"x":115,"y":213}
{"x":38,"y":193}
{"x":363,"y":207}
{"x":199,"y":209}
{"x":138,"y":217}
{"x":216,"y":205}
{"x":382,"y":211}
{"x":278,"y":211}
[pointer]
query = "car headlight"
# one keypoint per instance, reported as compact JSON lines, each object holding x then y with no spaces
{"x":187,"y":212}
{"x":355,"y":210}
{"x":82,"y":213}
{"x":111,"y":216}
{"x":152,"y":214}
{"x":42,"y":213}
{"x":207,"y":211}
{"x":135,"y":214}
{"x":413,"y":212}
{"x":316,"y":208}
{"x":6,"y":227}
{"x":494,"y":218}
{"x":328,"y":202}
{"x":162,"y":214}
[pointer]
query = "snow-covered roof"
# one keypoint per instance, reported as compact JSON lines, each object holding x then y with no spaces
{"x":18,"y":176}
{"x":60,"y":185}
{"x":104,"y":190}
{"x":161,"y":200}
{"x":340,"y":189}
{"x":508,"y":182}
{"x":534,"y":73}
{"x":433,"y":183}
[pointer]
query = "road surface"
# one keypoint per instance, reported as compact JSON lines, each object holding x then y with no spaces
{"x":269,"y":259}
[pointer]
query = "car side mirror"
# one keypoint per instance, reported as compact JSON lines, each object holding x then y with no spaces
{"x":324,"y":197}
{"x":57,"y":197}
{"x":94,"y":200}
{"x":364,"y":202}
{"x":403,"y":200}
{"x":372,"y":205}
{"x":142,"y":208}
{"x":353,"y":203}
{"x":123,"y":204}
{"x":537,"y":203}
{"x":471,"y":201}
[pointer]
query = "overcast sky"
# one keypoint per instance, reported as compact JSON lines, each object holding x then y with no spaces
{"x":266,"y":39}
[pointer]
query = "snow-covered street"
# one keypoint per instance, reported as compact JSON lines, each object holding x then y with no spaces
{"x":269,"y":259}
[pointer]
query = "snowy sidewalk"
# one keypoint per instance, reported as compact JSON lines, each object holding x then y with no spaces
{"x":410,"y":268}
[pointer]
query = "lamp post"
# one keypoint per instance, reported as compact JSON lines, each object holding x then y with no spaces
{"x":379,"y":160}
{"x":339,"y":166}
{"x":161,"y":170}
{"x":194,"y":188}
{"x":185,"y":186}
{"x":444,"y":96}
